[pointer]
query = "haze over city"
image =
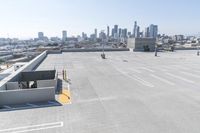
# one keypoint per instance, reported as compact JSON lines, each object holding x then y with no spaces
{"x":24,"y":18}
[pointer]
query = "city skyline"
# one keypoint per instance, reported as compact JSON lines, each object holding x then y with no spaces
{"x":25,"y":18}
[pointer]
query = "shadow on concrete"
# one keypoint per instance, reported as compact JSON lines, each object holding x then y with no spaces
{"x":30,"y":106}
{"x":59,"y":87}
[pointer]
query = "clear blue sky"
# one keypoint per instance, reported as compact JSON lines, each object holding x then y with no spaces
{"x":24,"y":18}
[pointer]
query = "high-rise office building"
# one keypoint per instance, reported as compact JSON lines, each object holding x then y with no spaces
{"x":95,"y":32}
{"x":116,"y":32}
{"x":120,"y":32}
{"x":64,"y":35}
{"x":146,"y":34}
{"x":153,"y":31}
{"x":135,"y":29}
{"x":124,"y":33}
{"x":137,"y":33}
{"x":102,"y":35}
{"x":116,"y":29}
{"x":113,"y":32}
{"x":108,"y":31}
{"x":40,"y":35}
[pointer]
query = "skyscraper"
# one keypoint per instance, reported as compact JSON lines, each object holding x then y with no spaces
{"x":113,"y":32}
{"x":146,"y":32}
{"x":153,"y":31}
{"x":124,"y":33}
{"x":95,"y":32}
{"x":135,"y":29}
{"x":102,"y":35}
{"x":120,"y":32}
{"x":108,"y":31}
{"x":64,"y":35}
{"x":116,"y":29}
{"x":116,"y":32}
{"x":137,"y":33}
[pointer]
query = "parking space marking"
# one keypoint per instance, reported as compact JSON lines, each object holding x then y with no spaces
{"x":140,"y":80}
{"x":190,"y":74}
{"x":31,"y":128}
{"x":162,"y":69}
{"x":181,"y":78}
{"x":147,"y":69}
{"x":136,"y":78}
{"x":162,"y":79}
{"x":134,"y":70}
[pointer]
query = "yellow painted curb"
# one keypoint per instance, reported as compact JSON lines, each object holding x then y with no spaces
{"x":65,"y":97}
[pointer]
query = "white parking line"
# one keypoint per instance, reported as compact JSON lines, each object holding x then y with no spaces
{"x":162,"y":69}
{"x":180,"y":67}
{"x":162,"y":79}
{"x":150,"y":70}
{"x":136,"y":78}
{"x":33,"y":128}
{"x":181,"y":78}
{"x":134,"y":70}
{"x":140,"y":80}
{"x":190,"y":74}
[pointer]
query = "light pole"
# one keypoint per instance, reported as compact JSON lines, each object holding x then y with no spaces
{"x":103,"y":56}
{"x":156,"y":48}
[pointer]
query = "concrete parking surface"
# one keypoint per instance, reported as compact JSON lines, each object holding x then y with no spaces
{"x":129,"y":92}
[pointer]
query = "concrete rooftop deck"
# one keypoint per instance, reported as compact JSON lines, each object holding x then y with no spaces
{"x":126,"y":93}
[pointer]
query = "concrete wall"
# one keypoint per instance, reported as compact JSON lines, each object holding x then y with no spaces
{"x":37,"y":75}
{"x":28,"y":67}
{"x":94,"y":50}
{"x":2,"y":76}
{"x":46,"y":83}
{"x":13,"y":97}
{"x":54,"y":52}
{"x":12,"y":86}
{"x":35,"y":62}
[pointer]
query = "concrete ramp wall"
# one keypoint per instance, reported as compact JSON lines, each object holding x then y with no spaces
{"x":46,"y":83}
{"x":14,"y":97}
{"x":2,"y":76}
{"x":28,"y":67}
{"x":35,"y":62}
{"x":12,"y":86}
